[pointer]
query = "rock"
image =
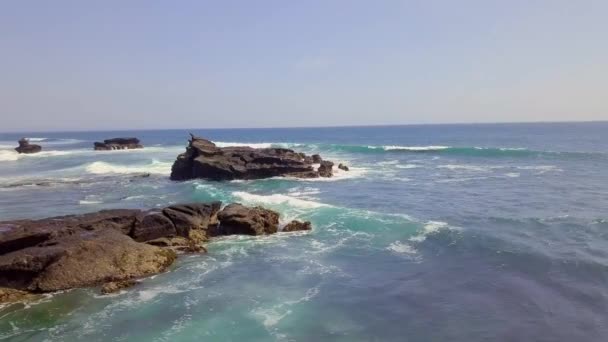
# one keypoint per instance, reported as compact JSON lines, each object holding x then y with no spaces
{"x":26,"y":147}
{"x":295,"y":226}
{"x":115,"y":286}
{"x":316,"y":159}
{"x":117,"y":144}
{"x":239,"y":219}
{"x":343,"y":167}
{"x":203,"y":159}
{"x":116,"y":246}
{"x":13,"y":296}
{"x":325,"y":170}
{"x":81,"y":258}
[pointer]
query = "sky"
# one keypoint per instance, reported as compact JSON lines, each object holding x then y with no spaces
{"x":95,"y":65}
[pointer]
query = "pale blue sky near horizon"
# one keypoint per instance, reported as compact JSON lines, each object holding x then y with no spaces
{"x":96,"y":65}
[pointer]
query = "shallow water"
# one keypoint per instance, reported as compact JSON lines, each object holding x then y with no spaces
{"x":448,"y":232}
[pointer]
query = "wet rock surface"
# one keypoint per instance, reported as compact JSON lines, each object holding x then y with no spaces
{"x":114,"y":247}
{"x":203,"y":159}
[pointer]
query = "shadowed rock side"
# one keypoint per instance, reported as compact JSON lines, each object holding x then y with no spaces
{"x":203,"y":159}
{"x":118,"y":144}
{"x":114,"y":246}
{"x":26,"y":147}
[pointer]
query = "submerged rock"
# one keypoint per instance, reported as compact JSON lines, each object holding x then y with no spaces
{"x":117,"y":144}
{"x":26,"y":147}
{"x":296,"y":225}
{"x":343,"y":167}
{"x":203,"y":159}
{"x":115,"y":286}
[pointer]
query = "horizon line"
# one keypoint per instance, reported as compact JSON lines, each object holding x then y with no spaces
{"x":322,"y":127}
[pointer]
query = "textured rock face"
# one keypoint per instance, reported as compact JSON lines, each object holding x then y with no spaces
{"x":203,"y":159}
{"x":239,"y":219}
{"x":295,"y":226}
{"x":117,"y":144}
{"x":116,"y":246}
{"x":26,"y":147}
{"x":84,"y":250}
{"x":326,"y":169}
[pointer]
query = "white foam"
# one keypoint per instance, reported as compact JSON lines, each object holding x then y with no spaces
{"x":277,"y":199}
{"x":410,"y":148}
{"x":408,"y":166}
{"x":454,"y":167}
{"x":255,"y":145}
{"x":7,"y":155}
{"x":155,"y":167}
{"x":512,"y":174}
{"x":431,"y":227}
{"x":85,"y":202}
{"x":401,"y":248}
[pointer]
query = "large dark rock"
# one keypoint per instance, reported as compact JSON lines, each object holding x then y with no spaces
{"x":239,"y":219}
{"x":26,"y":147}
{"x":116,"y":246}
{"x":326,"y":169}
{"x":203,"y":159}
{"x":117,"y":144}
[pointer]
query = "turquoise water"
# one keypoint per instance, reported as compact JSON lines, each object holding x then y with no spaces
{"x":448,"y":232}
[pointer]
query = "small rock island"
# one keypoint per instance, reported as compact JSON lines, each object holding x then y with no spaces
{"x":26,"y":147}
{"x":118,"y":144}
{"x":203,"y":159}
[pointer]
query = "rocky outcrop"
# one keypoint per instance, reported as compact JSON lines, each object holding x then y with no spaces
{"x":239,"y":219}
{"x":117,"y":144}
{"x":113,"y":247}
{"x":26,"y":147}
{"x":295,"y":226}
{"x":203,"y":159}
{"x":326,"y":169}
{"x":343,"y":167}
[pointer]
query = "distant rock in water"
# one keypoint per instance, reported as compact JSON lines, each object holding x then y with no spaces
{"x":114,"y":247}
{"x":118,"y":144}
{"x":343,"y":167}
{"x":26,"y":147}
{"x":203,"y":159}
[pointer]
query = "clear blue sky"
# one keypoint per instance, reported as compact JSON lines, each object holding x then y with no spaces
{"x":68,"y":65}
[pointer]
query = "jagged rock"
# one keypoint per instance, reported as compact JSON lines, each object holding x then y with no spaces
{"x":316,"y":159}
{"x":325,"y":170}
{"x":117,"y":144}
{"x":26,"y":147}
{"x":343,"y":167}
{"x":115,"y":286}
{"x":239,"y":219}
{"x":203,"y":159}
{"x":116,"y":245}
{"x":295,"y":226}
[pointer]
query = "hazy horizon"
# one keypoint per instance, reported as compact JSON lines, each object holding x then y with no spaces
{"x":76,"y":66}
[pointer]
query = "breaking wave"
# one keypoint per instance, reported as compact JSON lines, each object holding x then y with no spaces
{"x":155,"y":167}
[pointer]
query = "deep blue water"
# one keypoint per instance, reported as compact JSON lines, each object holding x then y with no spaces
{"x":438,"y":233}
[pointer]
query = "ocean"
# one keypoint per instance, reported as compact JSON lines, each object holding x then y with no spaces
{"x":494,"y":232}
